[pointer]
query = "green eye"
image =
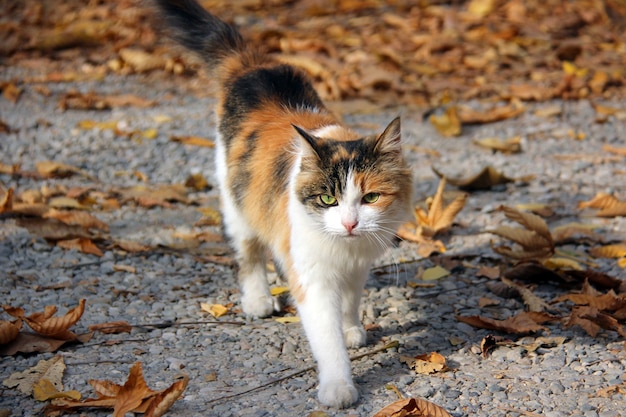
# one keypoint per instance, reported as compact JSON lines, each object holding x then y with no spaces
{"x":328,"y":200}
{"x":371,"y":198}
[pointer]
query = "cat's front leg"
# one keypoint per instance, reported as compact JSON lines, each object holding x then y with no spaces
{"x":353,"y":331}
{"x":321,"y":313}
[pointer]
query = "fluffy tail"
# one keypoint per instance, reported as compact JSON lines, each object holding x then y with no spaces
{"x":200,"y":31}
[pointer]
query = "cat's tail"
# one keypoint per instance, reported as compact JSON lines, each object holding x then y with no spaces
{"x":199,"y":31}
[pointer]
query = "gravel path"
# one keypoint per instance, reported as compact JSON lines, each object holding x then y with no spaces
{"x":224,"y":359}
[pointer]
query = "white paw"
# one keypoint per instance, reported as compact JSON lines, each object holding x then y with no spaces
{"x":259,"y":306}
{"x":338,"y":393}
{"x":355,"y":336}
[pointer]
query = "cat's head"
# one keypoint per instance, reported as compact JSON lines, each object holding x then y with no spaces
{"x":353,"y":187}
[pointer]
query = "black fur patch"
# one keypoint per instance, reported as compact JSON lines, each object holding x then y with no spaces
{"x":282,"y":84}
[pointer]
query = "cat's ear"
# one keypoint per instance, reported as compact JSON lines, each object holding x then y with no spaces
{"x":309,"y":139}
{"x":390,"y":140}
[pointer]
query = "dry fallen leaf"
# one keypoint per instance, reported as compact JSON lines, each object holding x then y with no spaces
{"x":412,"y":407}
{"x":438,"y":218}
{"x":44,"y":390}
{"x":77,"y":218}
{"x":533,"y":302}
{"x":535,"y":239}
{"x":51,"y":370}
{"x":510,"y":145}
{"x":216,"y":310}
{"x":608,"y":205}
{"x":521,"y":323}
{"x":467,"y":115}
{"x":447,"y":123}
{"x":483,"y":180}
{"x":9,"y":330}
{"x":425,"y":364}
{"x":111,"y":327}
{"x":193,"y":140}
{"x":134,"y":396}
{"x":46,"y":324}
{"x":80,"y":244}
{"x":609,"y":251}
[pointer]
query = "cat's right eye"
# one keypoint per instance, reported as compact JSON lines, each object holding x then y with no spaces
{"x":328,"y":200}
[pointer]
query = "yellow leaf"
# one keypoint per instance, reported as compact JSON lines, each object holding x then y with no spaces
{"x":44,"y":390}
{"x":193,"y":140}
{"x":622,"y":263}
{"x":288,"y":319}
{"x":609,"y":251}
{"x":511,"y":145}
{"x":216,"y":310}
{"x":448,"y":123}
{"x":436,"y":272}
{"x":559,"y":263}
{"x":150,"y":133}
{"x":279,"y":290}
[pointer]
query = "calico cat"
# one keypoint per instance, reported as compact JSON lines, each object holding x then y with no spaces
{"x":324,"y":201}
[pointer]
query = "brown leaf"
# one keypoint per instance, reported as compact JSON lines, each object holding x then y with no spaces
{"x":511,"y":145}
{"x":535,"y":240}
{"x":80,"y":244}
{"x":197,"y":182}
{"x":142,"y":61}
{"x":519,"y":324}
{"x":491,"y":342}
{"x":608,"y":204}
{"x":134,"y":396}
{"x":133,"y":392}
{"x":51,"y":169}
{"x":165,"y":399}
{"x":484,"y":180}
{"x":439,"y":218}
{"x":468,"y":115}
{"x":592,"y":320}
{"x":9,"y":330}
{"x":111,"y":327}
{"x":130,"y":246}
{"x":56,"y":327}
{"x":77,"y":218}
{"x":31,"y":343}
{"x":156,"y":196}
{"x":52,"y":229}
{"x":412,"y":407}
{"x":425,"y":364}
{"x":93,"y":101}
{"x":533,"y":302}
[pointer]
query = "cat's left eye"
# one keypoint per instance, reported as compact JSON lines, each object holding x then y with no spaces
{"x":370,"y":198}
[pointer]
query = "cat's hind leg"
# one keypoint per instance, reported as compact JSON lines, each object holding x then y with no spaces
{"x":256,"y":299}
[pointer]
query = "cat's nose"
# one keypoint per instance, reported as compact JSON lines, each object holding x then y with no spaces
{"x":349,"y":225}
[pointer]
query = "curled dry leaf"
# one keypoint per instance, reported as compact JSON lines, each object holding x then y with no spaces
{"x":216,"y":310}
{"x":426,"y":364}
{"x":524,"y":322}
{"x":592,"y":321}
{"x":412,"y":407}
{"x":608,"y":205}
{"x":536,"y":240}
{"x":165,"y":399}
{"x":437,"y":219}
{"x":609,"y":251}
{"x":76,"y":218}
{"x":533,"y":302}
{"x":468,"y":115}
{"x":51,"y":169}
{"x":483,"y":180}
{"x":447,"y":123}
{"x":45,"y":324}
{"x":81,"y":244}
{"x":510,"y":145}
{"x":134,"y":396}
{"x":111,"y":327}
{"x":9,"y":330}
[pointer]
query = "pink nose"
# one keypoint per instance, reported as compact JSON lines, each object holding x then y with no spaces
{"x":349,"y":225}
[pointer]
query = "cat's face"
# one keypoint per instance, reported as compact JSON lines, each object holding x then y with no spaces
{"x":355,"y":189}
